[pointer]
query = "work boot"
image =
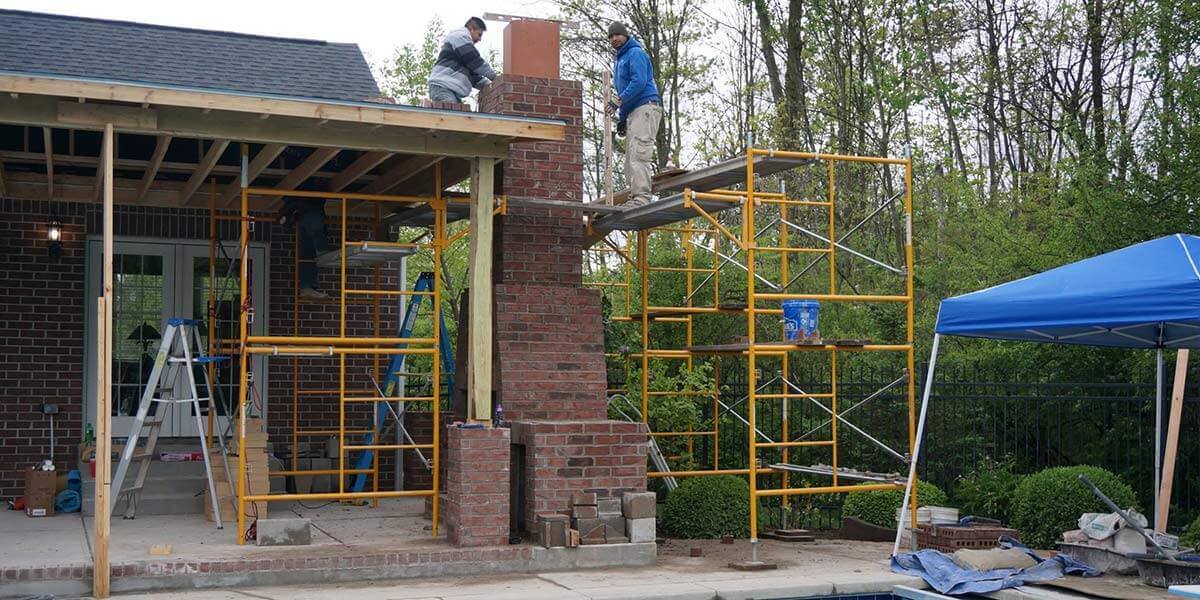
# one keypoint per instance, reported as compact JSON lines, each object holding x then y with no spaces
{"x":313,"y":294}
{"x":639,"y":201}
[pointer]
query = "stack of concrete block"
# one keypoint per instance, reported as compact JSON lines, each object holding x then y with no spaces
{"x":585,"y":518}
{"x":639,"y":512}
{"x":554,"y":530}
{"x":613,"y":520}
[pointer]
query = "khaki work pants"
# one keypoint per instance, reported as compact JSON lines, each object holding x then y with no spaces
{"x":641,"y":128}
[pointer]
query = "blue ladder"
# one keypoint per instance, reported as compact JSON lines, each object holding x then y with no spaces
{"x":392,"y":381}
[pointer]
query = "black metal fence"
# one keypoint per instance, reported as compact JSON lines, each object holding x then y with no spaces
{"x":975,"y":415}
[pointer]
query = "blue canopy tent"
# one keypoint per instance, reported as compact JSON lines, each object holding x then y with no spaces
{"x":1145,"y":296}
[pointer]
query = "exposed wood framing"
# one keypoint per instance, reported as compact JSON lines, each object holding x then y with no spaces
{"x":96,"y":115}
{"x":357,"y":112}
{"x":1172,"y":446}
{"x":311,"y":165}
{"x":480,"y":333}
{"x":156,"y":161}
{"x":366,"y":162}
{"x":202,"y":170}
{"x":233,"y":191}
{"x":292,"y":131}
{"x":401,"y":172}
{"x":100,"y":563}
{"x":98,"y":187}
{"x":48,"y":141}
{"x":136,"y":164}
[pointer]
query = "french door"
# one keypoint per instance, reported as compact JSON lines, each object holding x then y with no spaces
{"x":152,"y":282}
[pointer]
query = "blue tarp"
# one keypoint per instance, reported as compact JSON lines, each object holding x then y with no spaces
{"x":943,"y":575}
{"x":1143,"y":296}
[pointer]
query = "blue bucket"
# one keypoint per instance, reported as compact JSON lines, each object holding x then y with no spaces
{"x":800,"y":319}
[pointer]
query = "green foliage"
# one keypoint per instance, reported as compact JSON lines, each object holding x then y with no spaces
{"x":988,"y":490}
{"x":1191,"y":535}
{"x":879,"y":506}
{"x":707,"y":507}
{"x":405,"y":76}
{"x":1049,"y":502}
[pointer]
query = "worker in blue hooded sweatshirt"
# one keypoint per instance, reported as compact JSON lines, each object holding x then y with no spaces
{"x":636,"y":105}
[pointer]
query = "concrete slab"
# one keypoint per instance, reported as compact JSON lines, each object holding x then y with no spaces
{"x":763,"y":588}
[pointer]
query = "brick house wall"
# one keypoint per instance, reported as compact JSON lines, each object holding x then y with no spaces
{"x":43,"y":324}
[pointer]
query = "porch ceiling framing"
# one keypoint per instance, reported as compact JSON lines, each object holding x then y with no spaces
{"x":405,"y":140}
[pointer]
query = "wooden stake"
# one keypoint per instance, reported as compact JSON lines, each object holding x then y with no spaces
{"x":608,"y":150}
{"x":480,"y":358}
{"x":100,"y":566}
{"x":1168,"y":467}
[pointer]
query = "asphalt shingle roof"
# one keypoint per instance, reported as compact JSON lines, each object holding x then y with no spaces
{"x":38,"y":43}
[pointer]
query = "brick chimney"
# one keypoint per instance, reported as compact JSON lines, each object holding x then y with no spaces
{"x":548,"y":329}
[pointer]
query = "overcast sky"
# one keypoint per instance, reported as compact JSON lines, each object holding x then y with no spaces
{"x":376,"y":26}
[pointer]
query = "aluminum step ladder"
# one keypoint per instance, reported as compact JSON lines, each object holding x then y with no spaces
{"x":391,"y":383}
{"x":178,"y":356}
{"x":656,"y":456}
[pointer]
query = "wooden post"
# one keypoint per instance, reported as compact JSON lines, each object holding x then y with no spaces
{"x":608,"y":141}
{"x":1168,"y":471}
{"x":479,"y":403}
{"x":100,"y":570}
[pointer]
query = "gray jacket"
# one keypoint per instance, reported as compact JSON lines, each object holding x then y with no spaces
{"x":459,"y":66}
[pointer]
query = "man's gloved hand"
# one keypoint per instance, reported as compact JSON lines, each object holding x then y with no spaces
{"x":614,"y":106}
{"x":621,"y":125}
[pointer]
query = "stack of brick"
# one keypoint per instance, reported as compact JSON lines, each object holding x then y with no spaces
{"x":257,"y":475}
{"x":476,"y":509}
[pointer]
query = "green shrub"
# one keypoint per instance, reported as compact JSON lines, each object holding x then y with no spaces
{"x":1049,"y":502}
{"x":1191,"y":535}
{"x":879,"y":506}
{"x":988,"y":491}
{"x":707,"y":507}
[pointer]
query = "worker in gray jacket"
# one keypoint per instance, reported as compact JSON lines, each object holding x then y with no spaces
{"x":459,"y":66}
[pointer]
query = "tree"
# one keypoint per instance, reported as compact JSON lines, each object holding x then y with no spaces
{"x":405,"y":76}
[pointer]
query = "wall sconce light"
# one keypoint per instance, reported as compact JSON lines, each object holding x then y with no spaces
{"x":54,"y":235}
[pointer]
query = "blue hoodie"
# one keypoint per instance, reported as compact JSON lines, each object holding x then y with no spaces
{"x":633,"y":80}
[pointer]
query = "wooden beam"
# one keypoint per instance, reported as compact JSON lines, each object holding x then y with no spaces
{"x":397,"y":115}
{"x":48,"y":142}
{"x":125,"y":117}
{"x":291,"y":131}
{"x":480,"y":332}
{"x":311,"y":165}
{"x":156,"y":161}
{"x":100,"y":563}
{"x":202,"y":170}
{"x":98,"y":187}
{"x":403,"y":171}
{"x":607,"y":140}
{"x":1170,"y":450}
{"x":233,"y":191}
{"x":60,"y":159}
{"x":358,"y":168}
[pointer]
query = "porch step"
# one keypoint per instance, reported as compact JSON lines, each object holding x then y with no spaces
{"x":170,"y":488}
{"x":155,"y":504}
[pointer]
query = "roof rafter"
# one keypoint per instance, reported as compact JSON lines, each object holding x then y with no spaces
{"x":156,"y":160}
{"x":255,"y":168}
{"x":202,"y":170}
{"x":403,"y":171}
{"x":366,"y":162}
{"x":311,"y":165}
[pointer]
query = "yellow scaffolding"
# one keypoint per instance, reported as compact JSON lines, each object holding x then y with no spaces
{"x":342,"y":345}
{"x":757,"y":349}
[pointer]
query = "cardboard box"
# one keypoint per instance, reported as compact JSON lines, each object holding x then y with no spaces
{"x":41,"y":482}
{"x":39,"y":505}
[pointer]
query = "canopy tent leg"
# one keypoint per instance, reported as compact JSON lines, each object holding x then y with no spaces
{"x":1158,"y":436}
{"x":916,"y":455}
